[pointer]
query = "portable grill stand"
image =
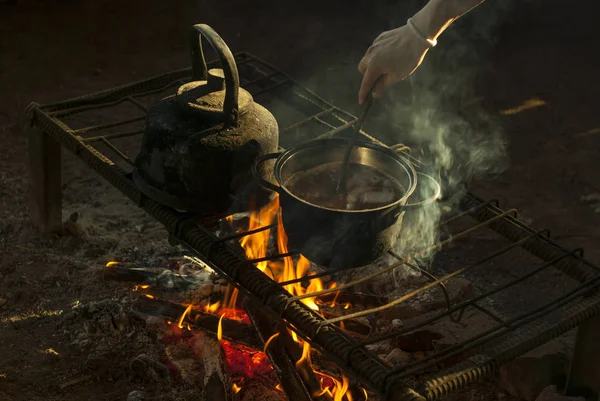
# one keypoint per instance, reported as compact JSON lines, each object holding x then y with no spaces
{"x":581,"y":306}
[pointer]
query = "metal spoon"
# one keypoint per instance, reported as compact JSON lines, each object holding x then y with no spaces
{"x":357,"y":127}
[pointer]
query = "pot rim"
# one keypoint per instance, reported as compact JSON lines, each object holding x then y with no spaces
{"x":406,"y":164}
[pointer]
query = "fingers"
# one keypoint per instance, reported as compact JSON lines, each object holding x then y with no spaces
{"x":362,"y":66}
{"x":383,"y":84}
{"x":380,"y":86}
{"x":368,"y":81}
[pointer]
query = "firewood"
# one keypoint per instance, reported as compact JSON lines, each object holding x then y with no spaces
{"x":234,"y":331}
{"x":162,"y":278}
{"x":217,"y":383}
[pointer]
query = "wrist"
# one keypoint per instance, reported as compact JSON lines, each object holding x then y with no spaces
{"x":420,"y":36}
{"x":425,"y":21}
{"x":437,"y":15}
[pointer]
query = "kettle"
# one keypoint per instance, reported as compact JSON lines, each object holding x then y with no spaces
{"x":199,"y":145}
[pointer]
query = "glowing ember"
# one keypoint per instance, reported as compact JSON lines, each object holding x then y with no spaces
{"x":245,"y":361}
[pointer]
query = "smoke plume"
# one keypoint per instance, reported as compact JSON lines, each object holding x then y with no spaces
{"x":437,"y":113}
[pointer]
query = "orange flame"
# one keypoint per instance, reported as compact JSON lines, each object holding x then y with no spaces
{"x":256,"y":247}
{"x":208,"y":308}
{"x":268,"y":342}
{"x":333,"y":303}
{"x":339,"y":390}
{"x":236,"y":389}
{"x":109,"y":264}
{"x":187,"y":310}
{"x":305,"y":354}
{"x":220,"y":328}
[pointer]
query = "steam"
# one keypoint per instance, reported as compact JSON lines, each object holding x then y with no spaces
{"x":436,"y":113}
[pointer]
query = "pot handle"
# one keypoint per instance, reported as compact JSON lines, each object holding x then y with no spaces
{"x":437,"y":193}
{"x":258,"y":177}
{"x":230,"y":71}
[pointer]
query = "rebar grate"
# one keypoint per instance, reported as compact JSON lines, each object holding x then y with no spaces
{"x":520,"y":263}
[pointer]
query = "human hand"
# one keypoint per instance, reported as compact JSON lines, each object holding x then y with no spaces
{"x":394,"y":55}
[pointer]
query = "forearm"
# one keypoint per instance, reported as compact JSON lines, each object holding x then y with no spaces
{"x":437,"y":15}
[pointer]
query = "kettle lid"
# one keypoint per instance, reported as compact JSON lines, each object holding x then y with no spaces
{"x":208,"y":96}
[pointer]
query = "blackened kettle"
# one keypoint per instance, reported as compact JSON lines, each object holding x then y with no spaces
{"x":199,"y":145}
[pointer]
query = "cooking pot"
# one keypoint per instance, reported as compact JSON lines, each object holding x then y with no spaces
{"x":340,"y":238}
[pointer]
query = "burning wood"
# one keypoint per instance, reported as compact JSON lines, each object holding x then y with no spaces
{"x":232,"y":330}
{"x":236,"y":345}
{"x":162,"y":278}
{"x":217,"y":383}
{"x":296,"y":378}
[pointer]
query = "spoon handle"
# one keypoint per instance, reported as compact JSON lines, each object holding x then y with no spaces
{"x":357,"y":127}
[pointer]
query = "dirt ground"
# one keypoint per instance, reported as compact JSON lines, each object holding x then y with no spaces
{"x":54,"y":50}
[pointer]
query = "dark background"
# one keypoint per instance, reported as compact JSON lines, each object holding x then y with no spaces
{"x":506,"y":52}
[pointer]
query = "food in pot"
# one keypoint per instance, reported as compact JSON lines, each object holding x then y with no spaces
{"x":366,"y":187}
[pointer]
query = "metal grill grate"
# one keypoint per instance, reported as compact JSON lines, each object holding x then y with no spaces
{"x":104,"y":130}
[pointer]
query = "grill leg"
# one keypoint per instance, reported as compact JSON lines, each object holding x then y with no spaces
{"x":45,"y":181}
{"x":584,"y":377}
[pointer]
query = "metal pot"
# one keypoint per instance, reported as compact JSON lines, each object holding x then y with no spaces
{"x":199,"y":145}
{"x":338,"y":238}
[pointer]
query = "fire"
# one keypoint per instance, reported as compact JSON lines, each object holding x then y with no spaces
{"x":268,"y":342}
{"x":256,"y":247}
{"x":183,"y":315}
{"x":305,"y":355}
{"x":112,"y":263}
{"x":220,"y":328}
{"x":242,"y":360}
{"x":333,"y":303}
{"x":256,"y":244}
{"x":337,"y":389}
{"x":212,"y":308}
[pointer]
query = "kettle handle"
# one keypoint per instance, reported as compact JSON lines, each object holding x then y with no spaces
{"x":230,"y":71}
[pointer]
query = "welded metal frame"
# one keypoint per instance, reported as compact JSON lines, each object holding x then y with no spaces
{"x":527,"y":331}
